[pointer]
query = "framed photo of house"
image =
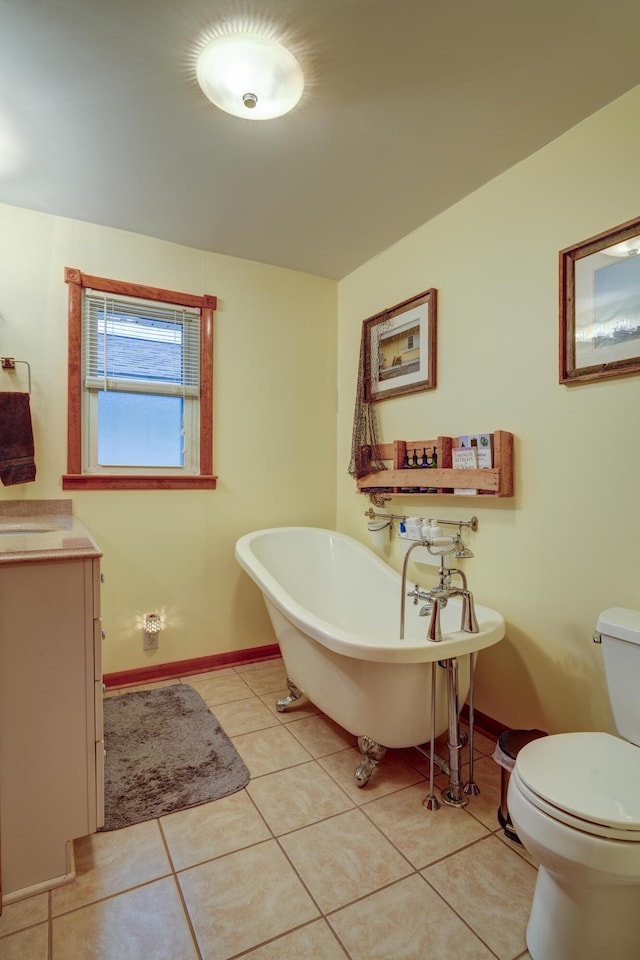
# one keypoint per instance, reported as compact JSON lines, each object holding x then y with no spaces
{"x":600,"y":306}
{"x":400,"y":348}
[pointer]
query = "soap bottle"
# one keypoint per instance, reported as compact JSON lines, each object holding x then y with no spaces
{"x":434,"y":465}
{"x":405,"y":466}
{"x":424,"y":465}
{"x":414,"y":466}
{"x":435,"y":532}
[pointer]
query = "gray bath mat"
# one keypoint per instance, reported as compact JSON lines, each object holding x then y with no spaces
{"x":165,"y":751}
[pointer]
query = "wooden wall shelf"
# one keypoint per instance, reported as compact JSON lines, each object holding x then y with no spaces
{"x":494,"y":482}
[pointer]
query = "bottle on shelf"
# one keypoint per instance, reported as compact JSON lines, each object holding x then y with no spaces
{"x":406,"y":466}
{"x":414,"y":466}
{"x":424,"y":465}
{"x":434,"y":464}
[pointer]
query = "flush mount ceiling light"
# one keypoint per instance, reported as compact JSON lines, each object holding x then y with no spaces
{"x":250,"y":76}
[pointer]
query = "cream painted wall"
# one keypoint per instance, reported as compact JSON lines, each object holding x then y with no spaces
{"x":566,"y":546}
{"x":550,"y":559}
{"x":274,"y":429}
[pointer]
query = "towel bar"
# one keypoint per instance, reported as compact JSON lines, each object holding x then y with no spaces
{"x":9,"y":364}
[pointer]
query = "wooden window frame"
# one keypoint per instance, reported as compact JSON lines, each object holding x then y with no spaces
{"x":74,"y":478}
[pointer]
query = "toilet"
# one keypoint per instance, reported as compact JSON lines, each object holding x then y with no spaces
{"x":574,"y":799}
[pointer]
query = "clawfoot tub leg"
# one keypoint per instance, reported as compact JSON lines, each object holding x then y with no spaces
{"x":294,"y":694}
{"x":372,"y":754}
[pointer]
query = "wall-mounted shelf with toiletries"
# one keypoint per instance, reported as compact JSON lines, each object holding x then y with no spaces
{"x":407,"y":475}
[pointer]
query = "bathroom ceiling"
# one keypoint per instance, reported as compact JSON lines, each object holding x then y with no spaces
{"x":409,"y":106}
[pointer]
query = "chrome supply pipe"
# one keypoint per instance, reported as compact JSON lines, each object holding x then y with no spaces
{"x":431,"y":801}
{"x":471,"y":788}
{"x":454,"y":796}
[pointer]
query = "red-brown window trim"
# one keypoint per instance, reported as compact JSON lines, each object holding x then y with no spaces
{"x":74,"y":478}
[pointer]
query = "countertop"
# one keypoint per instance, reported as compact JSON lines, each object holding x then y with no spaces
{"x":38,"y":530}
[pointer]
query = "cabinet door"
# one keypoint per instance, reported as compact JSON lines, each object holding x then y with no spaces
{"x":46,"y":697}
{"x":95,"y":721}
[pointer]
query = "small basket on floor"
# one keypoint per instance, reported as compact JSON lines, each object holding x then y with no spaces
{"x":505,"y":753}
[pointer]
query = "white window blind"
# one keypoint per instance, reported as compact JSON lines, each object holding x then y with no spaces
{"x":140,"y":346}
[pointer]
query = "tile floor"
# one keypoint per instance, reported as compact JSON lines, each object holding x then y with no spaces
{"x":300,"y":865}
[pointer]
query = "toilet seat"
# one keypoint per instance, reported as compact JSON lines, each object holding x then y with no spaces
{"x":590,"y":781}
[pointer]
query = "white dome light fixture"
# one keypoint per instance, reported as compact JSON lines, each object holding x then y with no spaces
{"x":250,"y":76}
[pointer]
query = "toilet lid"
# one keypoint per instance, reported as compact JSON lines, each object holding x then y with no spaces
{"x":594,"y":777}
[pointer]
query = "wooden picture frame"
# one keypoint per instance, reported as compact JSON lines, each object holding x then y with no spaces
{"x":400,"y":348}
{"x":600,"y":306}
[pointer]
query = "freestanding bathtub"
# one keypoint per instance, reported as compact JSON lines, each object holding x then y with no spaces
{"x":335,"y":610}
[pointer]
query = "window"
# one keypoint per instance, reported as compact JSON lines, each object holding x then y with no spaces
{"x":140,"y":386}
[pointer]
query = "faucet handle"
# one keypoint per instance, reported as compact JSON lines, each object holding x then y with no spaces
{"x":415,"y":593}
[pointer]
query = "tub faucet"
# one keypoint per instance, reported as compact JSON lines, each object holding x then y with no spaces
{"x":439,"y":599}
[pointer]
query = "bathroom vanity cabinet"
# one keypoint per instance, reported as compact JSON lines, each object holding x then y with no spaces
{"x":496,"y":481}
{"x":51,"y":732}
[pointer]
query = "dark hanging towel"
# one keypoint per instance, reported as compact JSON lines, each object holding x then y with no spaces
{"x":16,"y":439}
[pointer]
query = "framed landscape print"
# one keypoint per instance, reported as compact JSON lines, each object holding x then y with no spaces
{"x":600,"y":306}
{"x":400,"y":348}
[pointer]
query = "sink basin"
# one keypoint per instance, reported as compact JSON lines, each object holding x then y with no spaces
{"x":28,"y":526}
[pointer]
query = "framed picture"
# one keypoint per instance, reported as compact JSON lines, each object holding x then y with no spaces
{"x":600,"y":306}
{"x":400,"y":348}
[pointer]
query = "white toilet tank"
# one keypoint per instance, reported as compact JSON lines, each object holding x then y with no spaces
{"x":619,"y":630}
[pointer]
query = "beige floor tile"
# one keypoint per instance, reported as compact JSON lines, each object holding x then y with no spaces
{"x":108,"y":863}
{"x":24,"y":913}
{"x":296,"y":797}
{"x":406,"y":921}
{"x":205,"y":675}
{"x":144,"y":923}
{"x":259,"y":665}
{"x":343,"y":858}
{"x":392,"y":774}
{"x":212,"y":830}
{"x":244,"y":716}
{"x":30,"y":944}
{"x":321,"y":736}
{"x":507,"y":882}
{"x":222,"y":687}
{"x":243,"y":899}
{"x":316,"y":941}
{"x":423,"y":836}
{"x":268,"y":750}
{"x":264,"y":677}
{"x":297,"y":711}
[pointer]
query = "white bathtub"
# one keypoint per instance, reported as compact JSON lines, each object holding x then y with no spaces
{"x":335,"y":610}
